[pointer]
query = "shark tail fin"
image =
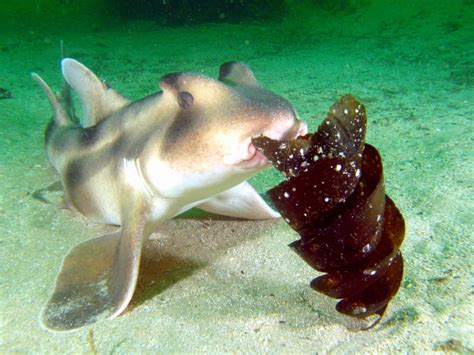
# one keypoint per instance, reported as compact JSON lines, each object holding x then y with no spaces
{"x":61,"y":117}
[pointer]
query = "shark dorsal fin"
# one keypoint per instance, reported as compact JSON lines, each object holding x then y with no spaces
{"x":61,"y":116}
{"x":237,"y":73}
{"x":98,"y":100}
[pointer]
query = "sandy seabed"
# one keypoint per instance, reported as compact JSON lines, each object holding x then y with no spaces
{"x":218,"y":285}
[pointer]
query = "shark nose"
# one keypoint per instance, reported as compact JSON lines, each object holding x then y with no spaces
{"x":252,"y":150}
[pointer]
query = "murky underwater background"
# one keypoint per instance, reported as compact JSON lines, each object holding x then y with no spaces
{"x":219,"y":285}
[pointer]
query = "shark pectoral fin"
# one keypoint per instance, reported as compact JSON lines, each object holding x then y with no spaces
{"x":81,"y":295}
{"x":97,"y":280}
{"x":241,"y":201}
{"x":98,"y":100}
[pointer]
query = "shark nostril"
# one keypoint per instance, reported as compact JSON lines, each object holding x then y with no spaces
{"x":248,"y":150}
{"x":251,"y":151}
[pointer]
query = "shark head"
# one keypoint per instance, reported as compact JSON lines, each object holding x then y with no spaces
{"x":208,"y":139}
{"x":193,"y":139}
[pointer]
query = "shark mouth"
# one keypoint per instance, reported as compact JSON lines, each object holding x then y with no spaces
{"x":251,"y":157}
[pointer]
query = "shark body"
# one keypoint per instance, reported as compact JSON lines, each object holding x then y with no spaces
{"x":136,"y":164}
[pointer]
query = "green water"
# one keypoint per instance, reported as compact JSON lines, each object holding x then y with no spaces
{"x":233,"y":286}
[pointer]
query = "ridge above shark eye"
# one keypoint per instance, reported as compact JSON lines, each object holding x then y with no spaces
{"x":185,"y":99}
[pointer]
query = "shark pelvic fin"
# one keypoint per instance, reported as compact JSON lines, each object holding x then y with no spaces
{"x":97,"y":98}
{"x":241,"y":201}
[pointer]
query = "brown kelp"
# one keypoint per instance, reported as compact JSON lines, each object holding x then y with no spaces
{"x":334,"y":197}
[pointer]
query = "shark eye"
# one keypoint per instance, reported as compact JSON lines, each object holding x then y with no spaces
{"x":185,"y":99}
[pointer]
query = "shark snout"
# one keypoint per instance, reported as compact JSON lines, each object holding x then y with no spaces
{"x":299,"y":128}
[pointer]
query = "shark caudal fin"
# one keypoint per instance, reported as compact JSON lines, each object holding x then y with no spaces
{"x":98,"y":100}
{"x":61,"y":116}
